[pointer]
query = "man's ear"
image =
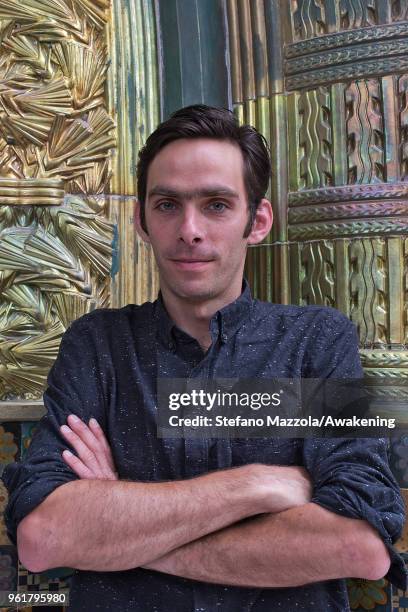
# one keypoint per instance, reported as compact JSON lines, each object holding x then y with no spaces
{"x":262,"y":223}
{"x":138,"y":225}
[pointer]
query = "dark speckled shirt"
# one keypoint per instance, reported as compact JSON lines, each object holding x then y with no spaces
{"x":107,"y":367}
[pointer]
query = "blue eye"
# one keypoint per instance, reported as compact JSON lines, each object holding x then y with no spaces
{"x":218,"y":206}
{"x":166,"y":206}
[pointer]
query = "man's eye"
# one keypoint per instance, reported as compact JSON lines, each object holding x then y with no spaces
{"x":166,"y":206}
{"x":218,"y":206}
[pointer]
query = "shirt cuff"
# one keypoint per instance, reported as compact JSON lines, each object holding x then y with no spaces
{"x":27,"y":496}
{"x":397,"y":574}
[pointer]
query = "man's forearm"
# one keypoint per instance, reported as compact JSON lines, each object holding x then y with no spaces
{"x":298,"y":546}
{"x":104,"y":525}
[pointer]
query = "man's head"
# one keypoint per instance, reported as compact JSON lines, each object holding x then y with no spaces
{"x":199,"y":175}
{"x":200,"y":121}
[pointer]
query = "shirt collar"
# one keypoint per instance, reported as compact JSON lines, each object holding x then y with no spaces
{"x":223,"y":324}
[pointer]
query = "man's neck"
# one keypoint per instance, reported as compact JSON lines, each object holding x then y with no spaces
{"x":194,"y":317}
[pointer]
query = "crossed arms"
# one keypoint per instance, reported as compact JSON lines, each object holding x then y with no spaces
{"x":249,"y":526}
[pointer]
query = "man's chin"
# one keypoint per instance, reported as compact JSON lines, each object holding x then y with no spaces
{"x":194,"y":291}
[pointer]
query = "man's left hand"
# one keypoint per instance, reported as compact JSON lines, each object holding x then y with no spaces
{"x":94,"y":459}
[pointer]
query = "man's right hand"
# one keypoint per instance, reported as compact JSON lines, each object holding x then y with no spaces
{"x":278,"y":487}
{"x":281,"y":487}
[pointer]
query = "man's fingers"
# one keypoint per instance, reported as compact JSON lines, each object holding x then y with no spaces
{"x":99,"y":434}
{"x":92,"y":448}
{"x":84,"y":450}
{"x":83,"y":431}
{"x":97,"y":444}
{"x":76,"y":465}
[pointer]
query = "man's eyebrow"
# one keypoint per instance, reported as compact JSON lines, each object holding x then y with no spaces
{"x":205,"y":192}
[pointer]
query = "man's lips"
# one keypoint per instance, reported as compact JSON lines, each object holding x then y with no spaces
{"x":190,"y":259}
{"x":193,"y":264}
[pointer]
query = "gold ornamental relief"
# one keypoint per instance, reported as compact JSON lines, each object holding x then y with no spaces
{"x":55,"y":142}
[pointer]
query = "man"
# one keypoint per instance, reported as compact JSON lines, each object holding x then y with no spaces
{"x":197,"y":524}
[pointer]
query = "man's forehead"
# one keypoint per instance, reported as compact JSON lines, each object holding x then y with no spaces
{"x":197,"y":167}
{"x":196,"y":153}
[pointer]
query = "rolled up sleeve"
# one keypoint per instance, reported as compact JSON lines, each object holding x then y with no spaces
{"x":72,"y":388}
{"x":352,"y":477}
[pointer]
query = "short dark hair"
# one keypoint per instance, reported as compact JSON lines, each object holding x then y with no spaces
{"x":201,"y":121}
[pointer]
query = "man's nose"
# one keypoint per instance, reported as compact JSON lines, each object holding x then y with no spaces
{"x":190,"y":230}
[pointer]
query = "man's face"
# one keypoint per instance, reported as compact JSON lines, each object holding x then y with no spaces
{"x":196,"y":212}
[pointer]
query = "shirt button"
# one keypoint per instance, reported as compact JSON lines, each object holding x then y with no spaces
{"x":172,"y":346}
{"x":224,"y":337}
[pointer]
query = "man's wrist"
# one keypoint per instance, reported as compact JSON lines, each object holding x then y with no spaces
{"x":276,"y":488}
{"x":254,"y":495}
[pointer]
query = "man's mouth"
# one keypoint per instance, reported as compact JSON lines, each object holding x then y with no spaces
{"x":190,"y":259}
{"x":190,"y":264}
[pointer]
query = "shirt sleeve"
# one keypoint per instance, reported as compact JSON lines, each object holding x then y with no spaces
{"x":73,"y":387}
{"x":352,"y":477}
